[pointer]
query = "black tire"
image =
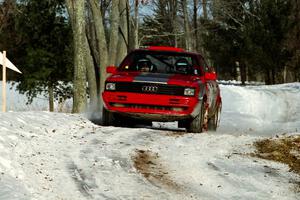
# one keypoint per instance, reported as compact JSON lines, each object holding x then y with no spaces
{"x":122,"y":121}
{"x":182,"y":123}
{"x":213,"y":122}
{"x":107,"y":117}
{"x":196,"y":125}
{"x":131,"y":122}
{"x":114,"y":119}
{"x":144,"y":122}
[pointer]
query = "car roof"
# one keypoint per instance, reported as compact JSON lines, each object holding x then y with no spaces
{"x":165,"y":49}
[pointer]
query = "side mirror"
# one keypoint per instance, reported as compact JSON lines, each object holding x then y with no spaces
{"x":111,"y":69}
{"x":210,"y":76}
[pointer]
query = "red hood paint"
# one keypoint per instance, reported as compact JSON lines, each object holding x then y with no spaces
{"x":171,"y":79}
{"x":185,"y":80}
{"x":122,"y":77}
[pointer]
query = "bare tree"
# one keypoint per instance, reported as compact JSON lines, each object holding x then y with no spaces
{"x":91,"y":74}
{"x":187,"y":30}
{"x":101,"y":44}
{"x":195,"y":25}
{"x":51,"y":97}
{"x":173,"y":4}
{"x":114,"y":30}
{"x":76,"y":11}
{"x":204,"y":6}
{"x":135,"y":26}
{"x":108,"y":52}
{"x":123,"y":44}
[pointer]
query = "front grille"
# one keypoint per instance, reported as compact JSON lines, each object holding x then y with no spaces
{"x":142,"y":106}
{"x":150,"y":88}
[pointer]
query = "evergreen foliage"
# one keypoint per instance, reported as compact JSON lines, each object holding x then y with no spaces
{"x":10,"y":40}
{"x":253,"y":36}
{"x":47,"y":47}
{"x":38,"y":38}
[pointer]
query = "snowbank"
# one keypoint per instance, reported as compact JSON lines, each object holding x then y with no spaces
{"x":263,"y":110}
{"x":64,"y":156}
{"x":256,"y":110}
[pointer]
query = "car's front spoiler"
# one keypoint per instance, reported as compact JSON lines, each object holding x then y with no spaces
{"x":151,"y":107}
{"x":155,"y":117}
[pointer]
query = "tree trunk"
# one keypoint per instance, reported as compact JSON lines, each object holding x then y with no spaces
{"x":273,"y":76}
{"x":173,"y":12}
{"x":76,"y":13}
{"x":243,"y":73}
{"x":91,"y":75}
{"x":51,"y":97}
{"x":204,"y":9}
{"x":284,"y":74}
{"x":195,"y":22}
{"x":114,"y":30}
{"x":204,"y":6}
{"x":267,"y":77}
{"x":123,"y":32}
{"x":187,"y":30}
{"x":92,"y":38}
{"x":102,"y":44}
{"x":135,"y":28}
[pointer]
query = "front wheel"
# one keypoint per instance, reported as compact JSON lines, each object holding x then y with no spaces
{"x":199,"y":123}
{"x":107,"y":117}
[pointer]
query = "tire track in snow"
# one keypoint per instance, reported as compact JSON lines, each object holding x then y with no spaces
{"x":79,"y":178}
{"x":148,"y":164}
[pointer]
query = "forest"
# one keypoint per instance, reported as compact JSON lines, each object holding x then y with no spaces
{"x":66,"y":45}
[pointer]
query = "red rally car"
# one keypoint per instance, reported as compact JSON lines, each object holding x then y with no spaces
{"x":162,"y":84}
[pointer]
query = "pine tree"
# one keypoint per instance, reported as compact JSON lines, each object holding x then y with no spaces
{"x":251,"y":34}
{"x":46,"y":62}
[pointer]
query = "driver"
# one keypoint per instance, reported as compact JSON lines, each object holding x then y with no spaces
{"x":182,"y":66}
{"x":144,"y":65}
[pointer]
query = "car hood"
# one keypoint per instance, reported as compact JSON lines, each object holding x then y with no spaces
{"x":172,"y":79}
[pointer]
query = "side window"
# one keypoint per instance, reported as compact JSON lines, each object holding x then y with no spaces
{"x":126,"y":64}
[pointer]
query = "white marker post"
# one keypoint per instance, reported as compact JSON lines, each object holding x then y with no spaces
{"x":4,"y":82}
{"x":6,"y":64}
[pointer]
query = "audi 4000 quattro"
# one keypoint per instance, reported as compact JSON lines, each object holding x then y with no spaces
{"x":162,"y":84}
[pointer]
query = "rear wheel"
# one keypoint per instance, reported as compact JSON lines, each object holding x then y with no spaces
{"x":213,"y":122}
{"x":199,"y":123}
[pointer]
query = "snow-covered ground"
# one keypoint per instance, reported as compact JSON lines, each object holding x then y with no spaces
{"x":65,"y":156}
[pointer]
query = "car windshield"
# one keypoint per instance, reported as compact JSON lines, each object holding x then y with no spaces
{"x":160,"y":62}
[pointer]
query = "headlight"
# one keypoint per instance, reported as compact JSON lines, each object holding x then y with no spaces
{"x":110,"y":86}
{"x":189,"y":92}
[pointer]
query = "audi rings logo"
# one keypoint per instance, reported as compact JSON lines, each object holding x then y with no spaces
{"x":149,"y":89}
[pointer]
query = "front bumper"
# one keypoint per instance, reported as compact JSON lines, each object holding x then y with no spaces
{"x":151,"y":106}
